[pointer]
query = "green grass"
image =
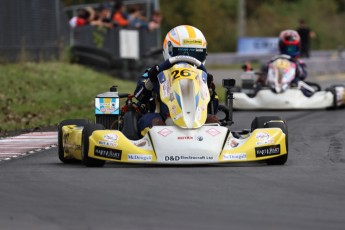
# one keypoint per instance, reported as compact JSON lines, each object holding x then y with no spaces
{"x":42,"y":94}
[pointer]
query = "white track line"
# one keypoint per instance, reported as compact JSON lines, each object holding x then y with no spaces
{"x":12,"y":147}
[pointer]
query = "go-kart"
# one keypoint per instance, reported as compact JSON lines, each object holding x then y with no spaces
{"x":187,"y":140}
{"x":281,"y":92}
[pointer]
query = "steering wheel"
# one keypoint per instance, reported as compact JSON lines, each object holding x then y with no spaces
{"x":183,"y":58}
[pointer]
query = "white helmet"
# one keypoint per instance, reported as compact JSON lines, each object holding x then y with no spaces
{"x":185,"y":40}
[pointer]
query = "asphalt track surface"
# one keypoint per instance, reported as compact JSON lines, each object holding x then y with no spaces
{"x":38,"y":192}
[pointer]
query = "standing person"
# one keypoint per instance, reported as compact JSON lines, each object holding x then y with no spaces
{"x":181,"y":40}
{"x":119,"y":17}
{"x":306,"y":34}
{"x":155,"y":21}
{"x":103,"y":17}
{"x":81,"y":19}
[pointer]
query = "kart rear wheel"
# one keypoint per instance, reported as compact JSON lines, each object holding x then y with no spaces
{"x":61,"y":153}
{"x":272,"y":122}
{"x":282,"y":159}
{"x":259,"y":122}
{"x":333,"y":90}
{"x":222,"y":114}
{"x":87,"y":132}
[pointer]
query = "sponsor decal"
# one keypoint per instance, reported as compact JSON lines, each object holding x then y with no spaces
{"x":233,"y":143}
{"x":165,"y":132}
{"x":108,"y":153}
{"x":267,"y":150}
{"x":187,"y":158}
{"x":166,"y":89}
{"x":199,"y":138}
{"x":171,"y":97}
{"x":173,"y":110}
{"x":213,"y":132}
{"x":262,"y":136}
{"x":264,"y":142}
{"x":235,"y":156}
{"x":139,"y":157}
{"x":107,"y":143}
{"x":192,"y":41}
{"x":141,"y":143}
{"x":110,"y":137}
{"x":107,"y":106}
{"x":185,"y":138}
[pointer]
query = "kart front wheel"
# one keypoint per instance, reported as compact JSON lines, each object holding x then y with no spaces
{"x":87,"y":132}
{"x":61,"y":153}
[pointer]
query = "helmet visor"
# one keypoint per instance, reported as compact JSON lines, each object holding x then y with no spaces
{"x":198,"y":53}
{"x":292,"y":50}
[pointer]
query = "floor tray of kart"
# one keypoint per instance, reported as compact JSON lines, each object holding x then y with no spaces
{"x":189,"y":140}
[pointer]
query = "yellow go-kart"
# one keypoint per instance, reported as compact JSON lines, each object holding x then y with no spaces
{"x":186,"y":139}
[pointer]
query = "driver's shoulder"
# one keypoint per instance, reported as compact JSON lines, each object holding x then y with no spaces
{"x":281,"y":56}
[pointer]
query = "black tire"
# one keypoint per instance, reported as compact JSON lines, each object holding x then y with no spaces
{"x":222,"y":114}
{"x":333,"y":90}
{"x":87,"y":132}
{"x":78,"y":122}
{"x":259,"y":122}
{"x":272,"y":122}
{"x":282,"y":159}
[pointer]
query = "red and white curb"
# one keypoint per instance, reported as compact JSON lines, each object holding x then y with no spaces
{"x":13,"y":147}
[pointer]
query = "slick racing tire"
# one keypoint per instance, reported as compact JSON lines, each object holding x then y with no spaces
{"x":87,"y":132}
{"x":259,"y":122}
{"x":273,"y":122}
{"x":333,"y":90}
{"x":61,"y":153}
{"x":282,"y":159}
{"x":223,"y":114}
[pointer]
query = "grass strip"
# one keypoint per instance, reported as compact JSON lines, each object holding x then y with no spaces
{"x":42,"y":94}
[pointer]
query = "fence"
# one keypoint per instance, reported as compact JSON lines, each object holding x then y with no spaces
{"x":32,"y":30}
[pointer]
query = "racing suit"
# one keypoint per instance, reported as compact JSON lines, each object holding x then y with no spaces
{"x":301,"y":70}
{"x":147,"y":93}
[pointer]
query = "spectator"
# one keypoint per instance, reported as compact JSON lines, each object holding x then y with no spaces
{"x":119,"y":15}
{"x":136,"y":19}
{"x":81,"y":19}
{"x":103,"y":18}
{"x":92,"y":14}
{"x":155,"y":21}
{"x":305,"y":33}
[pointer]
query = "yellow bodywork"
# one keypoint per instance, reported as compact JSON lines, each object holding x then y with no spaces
{"x":112,"y":145}
{"x":173,"y":88}
{"x":235,"y":149}
{"x":71,"y":141}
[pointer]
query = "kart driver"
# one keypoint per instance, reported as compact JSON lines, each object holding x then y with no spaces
{"x":147,"y":90}
{"x":289,"y":48}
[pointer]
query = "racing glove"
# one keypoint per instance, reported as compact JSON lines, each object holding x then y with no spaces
{"x":152,"y":73}
{"x":210,"y":83}
{"x":143,"y":94}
